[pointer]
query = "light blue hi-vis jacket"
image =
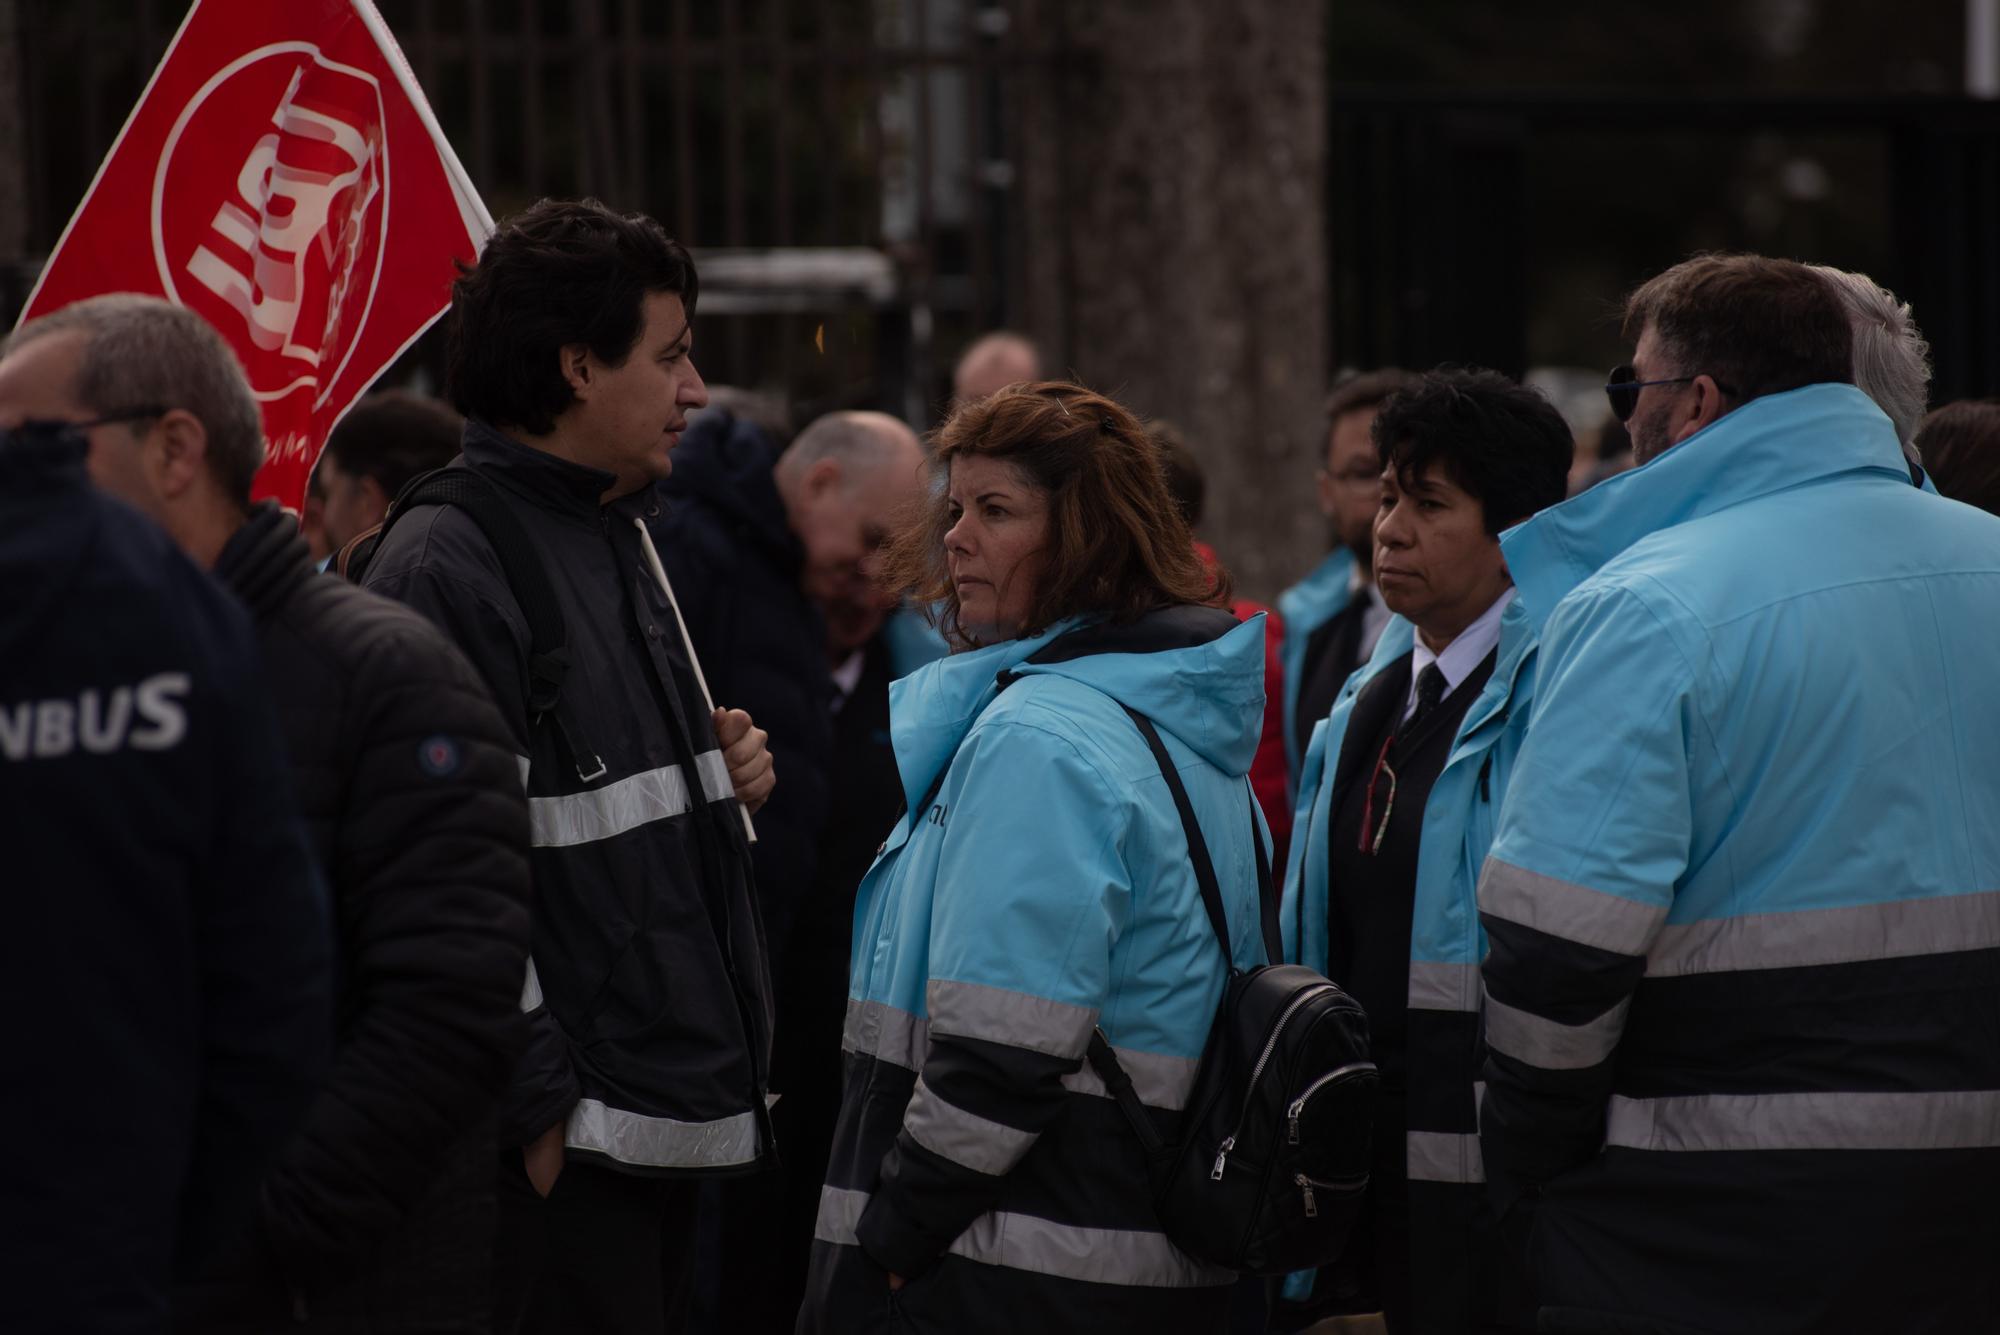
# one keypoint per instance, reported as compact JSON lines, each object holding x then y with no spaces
{"x":1044,"y":889}
{"x":1309,"y":604}
{"x":1446,"y":946}
{"x":1743,"y":902}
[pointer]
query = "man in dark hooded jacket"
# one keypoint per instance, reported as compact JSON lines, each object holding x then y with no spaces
{"x":755,"y":542}
{"x":378,"y":1215}
{"x":165,"y":964}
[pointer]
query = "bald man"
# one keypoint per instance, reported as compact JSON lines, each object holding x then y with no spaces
{"x":994,"y":362}
{"x":755,"y":542}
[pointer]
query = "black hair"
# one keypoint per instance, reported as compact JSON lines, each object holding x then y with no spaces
{"x":562,"y":272}
{"x":393,"y":436}
{"x":1503,"y":443}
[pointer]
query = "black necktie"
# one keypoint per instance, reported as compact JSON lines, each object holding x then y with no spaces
{"x":1430,"y":690}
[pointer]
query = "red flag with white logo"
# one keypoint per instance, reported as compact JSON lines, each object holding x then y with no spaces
{"x":283,"y":177}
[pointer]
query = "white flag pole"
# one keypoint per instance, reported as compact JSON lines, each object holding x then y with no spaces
{"x":666,"y":587}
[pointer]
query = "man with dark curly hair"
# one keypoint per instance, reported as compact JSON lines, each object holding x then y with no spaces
{"x":568,"y":351}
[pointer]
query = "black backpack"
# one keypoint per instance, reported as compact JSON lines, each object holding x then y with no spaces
{"x":1268,"y":1172}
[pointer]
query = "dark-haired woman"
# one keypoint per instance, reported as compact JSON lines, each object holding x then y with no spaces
{"x":1039,"y":886}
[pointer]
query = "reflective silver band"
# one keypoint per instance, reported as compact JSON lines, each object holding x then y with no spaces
{"x":637,"y":799}
{"x":1024,"y":1242}
{"x":531,"y":989}
{"x":1943,"y":1120}
{"x":714,"y":771}
{"x":1895,"y":929}
{"x":1440,"y":1156}
{"x":661,"y":1142}
{"x":1553,"y":1046}
{"x":1017,"y":1019}
{"x":1563,"y":909}
{"x":875,"y":1029}
{"x":966,"y":1139}
{"x":1159,"y":1081}
{"x":1435,"y":986}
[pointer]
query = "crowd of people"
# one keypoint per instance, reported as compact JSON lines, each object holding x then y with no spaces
{"x":672,"y":872}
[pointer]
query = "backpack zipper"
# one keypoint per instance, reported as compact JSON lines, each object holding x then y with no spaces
{"x":1306,"y":1185}
{"x":1299,"y":1103}
{"x":1263,"y":1059}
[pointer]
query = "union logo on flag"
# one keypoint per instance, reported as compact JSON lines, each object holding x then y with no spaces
{"x":282,"y":176}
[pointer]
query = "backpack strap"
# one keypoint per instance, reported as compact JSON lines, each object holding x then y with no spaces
{"x":1204,"y":869}
{"x":527,"y":578}
{"x":1102,"y":1059}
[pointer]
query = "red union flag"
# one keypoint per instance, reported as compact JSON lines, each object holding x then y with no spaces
{"x":283,"y":177}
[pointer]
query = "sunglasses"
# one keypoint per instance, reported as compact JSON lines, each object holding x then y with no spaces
{"x":1624,"y":386}
{"x":52,"y":432}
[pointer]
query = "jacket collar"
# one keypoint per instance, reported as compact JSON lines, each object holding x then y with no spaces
{"x":1768,"y":445}
{"x":1321,"y":594}
{"x":264,"y":560}
{"x":538,"y":477}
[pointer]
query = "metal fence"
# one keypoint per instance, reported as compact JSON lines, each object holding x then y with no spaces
{"x":780,"y":137}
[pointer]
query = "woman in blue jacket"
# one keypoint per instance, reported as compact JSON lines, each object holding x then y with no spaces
{"x":1396,"y":808}
{"x":1039,"y":887}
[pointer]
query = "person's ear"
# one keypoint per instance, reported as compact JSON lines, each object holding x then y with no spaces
{"x":822,"y":478}
{"x":574,"y":363}
{"x":1326,"y":484}
{"x":175,"y":451}
{"x":1704,"y":406}
{"x":374,"y":499}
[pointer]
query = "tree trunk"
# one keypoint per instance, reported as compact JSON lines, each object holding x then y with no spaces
{"x":1173,"y":168}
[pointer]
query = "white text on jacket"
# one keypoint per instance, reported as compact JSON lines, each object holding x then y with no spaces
{"x":101,"y":722}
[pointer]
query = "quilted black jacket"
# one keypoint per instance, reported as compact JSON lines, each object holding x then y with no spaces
{"x":379,"y":1210}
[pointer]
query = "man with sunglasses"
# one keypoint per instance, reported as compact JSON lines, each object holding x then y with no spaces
{"x":1400,"y":785}
{"x":380,"y":1208}
{"x":1743,"y":976}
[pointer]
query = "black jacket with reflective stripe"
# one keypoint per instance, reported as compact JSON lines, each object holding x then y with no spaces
{"x":649,"y":1008}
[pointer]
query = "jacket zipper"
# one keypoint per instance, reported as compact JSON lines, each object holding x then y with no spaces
{"x":1299,"y":1103}
{"x":1263,"y":1059}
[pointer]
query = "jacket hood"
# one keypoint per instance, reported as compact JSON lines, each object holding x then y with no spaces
{"x":264,"y":560}
{"x":48,"y":528}
{"x":1195,"y":671}
{"x":1768,"y":445}
{"x":726,"y":462}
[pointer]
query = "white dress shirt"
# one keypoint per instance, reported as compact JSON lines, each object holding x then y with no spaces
{"x":1462,"y":655}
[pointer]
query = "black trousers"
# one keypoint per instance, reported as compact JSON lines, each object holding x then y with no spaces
{"x":607,"y":1252}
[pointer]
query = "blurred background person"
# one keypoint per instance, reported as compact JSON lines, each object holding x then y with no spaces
{"x":167,"y":961}
{"x":1961,"y":451}
{"x":756,"y":542}
{"x":1333,"y":615}
{"x":384,"y":441}
{"x":1189,"y":488}
{"x":993,"y":362}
